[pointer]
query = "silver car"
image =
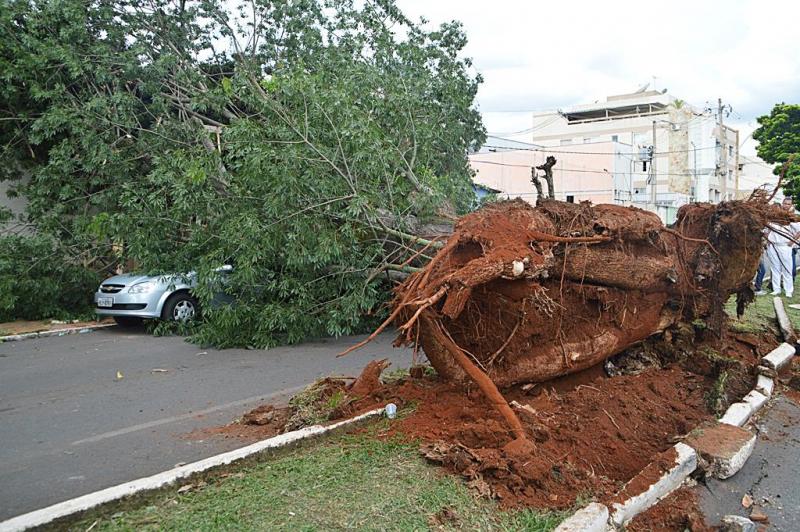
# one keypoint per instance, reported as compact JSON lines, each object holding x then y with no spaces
{"x":130,"y":298}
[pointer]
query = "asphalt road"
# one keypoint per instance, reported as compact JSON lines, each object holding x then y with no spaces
{"x":770,"y":476}
{"x":69,"y":427}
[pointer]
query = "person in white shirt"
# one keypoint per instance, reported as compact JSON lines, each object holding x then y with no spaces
{"x":779,"y":255}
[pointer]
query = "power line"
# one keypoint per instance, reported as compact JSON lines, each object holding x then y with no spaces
{"x":550,"y":150}
{"x":576,"y":169}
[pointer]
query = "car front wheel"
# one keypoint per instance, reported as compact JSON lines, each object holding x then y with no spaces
{"x":181,"y":307}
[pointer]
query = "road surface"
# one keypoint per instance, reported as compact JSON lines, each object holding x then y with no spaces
{"x":770,"y":476}
{"x":68,"y":426}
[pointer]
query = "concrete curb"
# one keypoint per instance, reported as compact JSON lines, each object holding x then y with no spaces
{"x":159,"y":480}
{"x":765,"y":385}
{"x":685,"y":464}
{"x":54,"y":332}
{"x":784,"y":322}
{"x":740,"y":413}
{"x":590,"y":518}
{"x":779,"y":357}
{"x":722,"y":449}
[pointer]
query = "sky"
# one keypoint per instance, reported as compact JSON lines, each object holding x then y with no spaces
{"x":536,"y":55}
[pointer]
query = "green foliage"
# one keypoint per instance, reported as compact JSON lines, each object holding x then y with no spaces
{"x":37,"y":281}
{"x":315,"y":404}
{"x":778,"y":136}
{"x":144,"y":143}
{"x":717,"y":398}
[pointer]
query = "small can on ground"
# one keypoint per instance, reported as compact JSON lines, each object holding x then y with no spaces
{"x":391,"y":410}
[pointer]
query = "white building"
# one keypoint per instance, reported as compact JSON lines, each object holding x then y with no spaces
{"x":674,"y":152}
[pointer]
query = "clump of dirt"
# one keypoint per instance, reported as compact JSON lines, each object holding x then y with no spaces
{"x":260,"y":423}
{"x":590,"y":433}
{"x":326,"y":400}
{"x":677,"y":512}
{"x":370,"y":379}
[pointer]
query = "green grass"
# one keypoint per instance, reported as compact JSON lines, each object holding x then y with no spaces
{"x":347,"y":482}
{"x":760,"y":315}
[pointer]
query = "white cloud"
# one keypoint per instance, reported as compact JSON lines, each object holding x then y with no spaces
{"x":540,"y":55}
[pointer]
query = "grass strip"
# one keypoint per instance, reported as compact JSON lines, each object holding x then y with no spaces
{"x":346,"y":482}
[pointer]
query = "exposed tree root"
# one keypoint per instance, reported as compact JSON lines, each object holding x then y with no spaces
{"x":560,"y":287}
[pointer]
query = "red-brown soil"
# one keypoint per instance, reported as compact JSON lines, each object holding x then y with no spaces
{"x":591,"y":433}
{"x":246,"y":432}
{"x":590,"y":436}
{"x":678,"y":512}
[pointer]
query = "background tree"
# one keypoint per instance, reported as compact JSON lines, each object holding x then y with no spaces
{"x":292,"y":138}
{"x":778,"y":136}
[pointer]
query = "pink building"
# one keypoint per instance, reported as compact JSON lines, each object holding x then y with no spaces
{"x":599,"y":172}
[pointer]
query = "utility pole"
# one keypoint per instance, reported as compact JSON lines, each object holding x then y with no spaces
{"x":736,"y":170}
{"x":653,"y":174}
{"x":723,"y":163}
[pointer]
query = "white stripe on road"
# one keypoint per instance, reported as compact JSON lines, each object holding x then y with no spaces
{"x":167,"y":420}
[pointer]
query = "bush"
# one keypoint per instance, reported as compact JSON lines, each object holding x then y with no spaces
{"x":38,"y":281}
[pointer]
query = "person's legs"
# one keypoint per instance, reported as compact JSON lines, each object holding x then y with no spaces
{"x":762,"y":271}
{"x":784,"y":254}
{"x":774,"y":268}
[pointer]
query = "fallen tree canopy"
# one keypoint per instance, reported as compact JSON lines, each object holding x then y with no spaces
{"x":526,"y":294}
{"x":294,"y":140}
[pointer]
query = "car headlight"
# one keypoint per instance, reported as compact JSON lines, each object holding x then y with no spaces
{"x":142,"y":288}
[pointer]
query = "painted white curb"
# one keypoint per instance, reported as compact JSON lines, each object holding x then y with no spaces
{"x":159,"y":480}
{"x":783,"y":320}
{"x":737,"y":414}
{"x":590,"y":518}
{"x":755,"y":399}
{"x":765,"y":385}
{"x":685,"y":464}
{"x":727,"y":468}
{"x":55,"y":332}
{"x":779,"y":357}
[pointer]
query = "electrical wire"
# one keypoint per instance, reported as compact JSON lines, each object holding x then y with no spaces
{"x":551,"y":150}
{"x":578,"y":170}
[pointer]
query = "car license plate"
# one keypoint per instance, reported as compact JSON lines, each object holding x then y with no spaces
{"x":105,"y":301}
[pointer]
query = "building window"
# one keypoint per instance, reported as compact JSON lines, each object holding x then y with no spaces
{"x":730,"y":175}
{"x":566,"y":142}
{"x":570,"y":199}
{"x":730,"y":151}
{"x":644,"y":166}
{"x":614,"y":138}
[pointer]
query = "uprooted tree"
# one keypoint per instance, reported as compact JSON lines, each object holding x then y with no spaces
{"x":295,"y":139}
{"x":525,"y":294}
